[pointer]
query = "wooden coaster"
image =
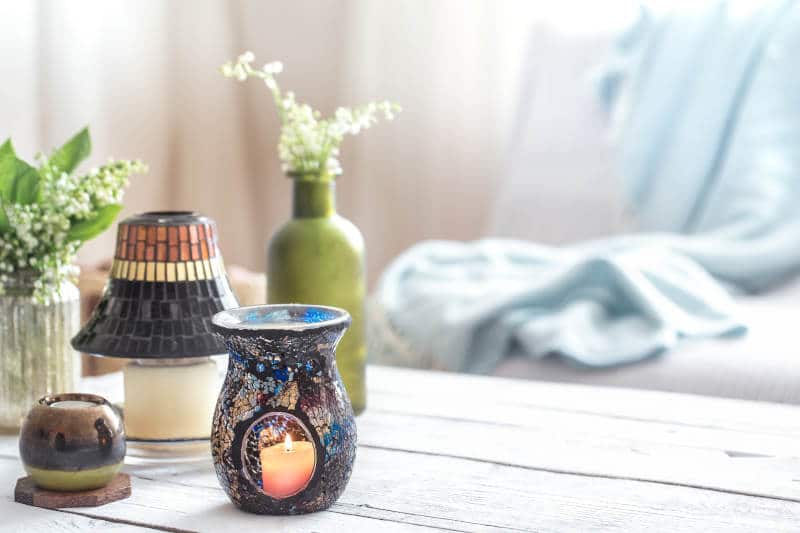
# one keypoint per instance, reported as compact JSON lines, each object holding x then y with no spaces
{"x":28,"y":493}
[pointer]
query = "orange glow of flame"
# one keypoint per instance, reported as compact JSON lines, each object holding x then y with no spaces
{"x":288,"y":443}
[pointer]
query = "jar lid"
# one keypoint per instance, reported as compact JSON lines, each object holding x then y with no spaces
{"x":166,"y":282}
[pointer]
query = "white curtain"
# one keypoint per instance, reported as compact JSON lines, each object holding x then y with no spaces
{"x":144,"y":76}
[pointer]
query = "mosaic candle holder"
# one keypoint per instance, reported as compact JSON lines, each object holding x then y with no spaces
{"x":167,"y":281}
{"x":72,"y":442}
{"x":284,"y":435}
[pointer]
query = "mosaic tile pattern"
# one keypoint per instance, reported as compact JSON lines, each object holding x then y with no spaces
{"x":283,"y":370}
{"x":167,"y":281}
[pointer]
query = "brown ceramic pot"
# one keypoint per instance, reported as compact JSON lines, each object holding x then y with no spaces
{"x":72,"y":442}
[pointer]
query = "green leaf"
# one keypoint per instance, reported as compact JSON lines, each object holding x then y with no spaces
{"x":7,"y":150}
{"x":90,"y":228}
{"x":19,"y":182}
{"x":7,"y":166}
{"x":5,"y":225}
{"x":24,"y":188}
{"x":73,"y":152}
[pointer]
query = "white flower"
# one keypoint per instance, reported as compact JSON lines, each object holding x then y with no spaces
{"x":309,"y":143}
{"x":276,"y":67}
{"x":227,"y":70}
{"x":240,"y":73}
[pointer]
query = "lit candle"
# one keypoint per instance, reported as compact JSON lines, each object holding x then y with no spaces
{"x":72,"y":404}
{"x":287,"y":468}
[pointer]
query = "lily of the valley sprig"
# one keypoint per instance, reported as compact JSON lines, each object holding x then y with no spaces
{"x":309,"y":144}
{"x":48,"y":211}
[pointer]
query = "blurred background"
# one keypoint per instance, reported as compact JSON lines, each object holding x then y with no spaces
{"x":144,"y":76}
{"x":504,"y":133}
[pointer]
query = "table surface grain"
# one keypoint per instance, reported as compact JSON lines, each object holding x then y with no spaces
{"x":450,"y":452}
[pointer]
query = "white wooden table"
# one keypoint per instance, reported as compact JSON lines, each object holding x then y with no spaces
{"x":460,"y":453}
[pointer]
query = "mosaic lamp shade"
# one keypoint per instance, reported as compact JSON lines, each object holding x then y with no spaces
{"x":167,"y":281}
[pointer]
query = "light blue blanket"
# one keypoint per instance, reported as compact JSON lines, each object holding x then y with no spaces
{"x":707,"y":103}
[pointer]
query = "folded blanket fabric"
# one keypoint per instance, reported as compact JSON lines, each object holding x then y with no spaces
{"x":708,"y":120}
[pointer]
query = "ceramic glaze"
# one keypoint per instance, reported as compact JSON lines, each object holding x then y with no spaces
{"x":72,"y":442}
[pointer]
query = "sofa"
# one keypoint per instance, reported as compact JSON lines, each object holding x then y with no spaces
{"x":560,"y":187}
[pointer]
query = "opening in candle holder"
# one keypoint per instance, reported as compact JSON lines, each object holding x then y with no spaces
{"x":72,"y":400}
{"x":279,"y":455}
{"x":72,"y":404}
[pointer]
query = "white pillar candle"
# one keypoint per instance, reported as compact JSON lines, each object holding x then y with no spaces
{"x":165,"y":401}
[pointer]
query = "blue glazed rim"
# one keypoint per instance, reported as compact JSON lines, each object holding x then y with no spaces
{"x":279,"y":318}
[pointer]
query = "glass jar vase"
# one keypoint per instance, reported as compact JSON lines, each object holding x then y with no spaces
{"x":36,"y":358}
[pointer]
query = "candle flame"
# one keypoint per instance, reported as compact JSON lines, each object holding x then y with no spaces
{"x":288,"y":443}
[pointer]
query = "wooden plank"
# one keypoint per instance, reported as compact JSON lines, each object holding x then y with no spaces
{"x":595,"y":426}
{"x":549,"y":449}
{"x":519,"y":396}
{"x":394,"y":489}
{"x":15,"y":517}
{"x":599,"y":431}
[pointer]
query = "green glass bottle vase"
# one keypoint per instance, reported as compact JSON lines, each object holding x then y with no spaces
{"x":317,"y":257}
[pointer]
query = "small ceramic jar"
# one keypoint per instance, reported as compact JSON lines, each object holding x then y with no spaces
{"x":72,"y":442}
